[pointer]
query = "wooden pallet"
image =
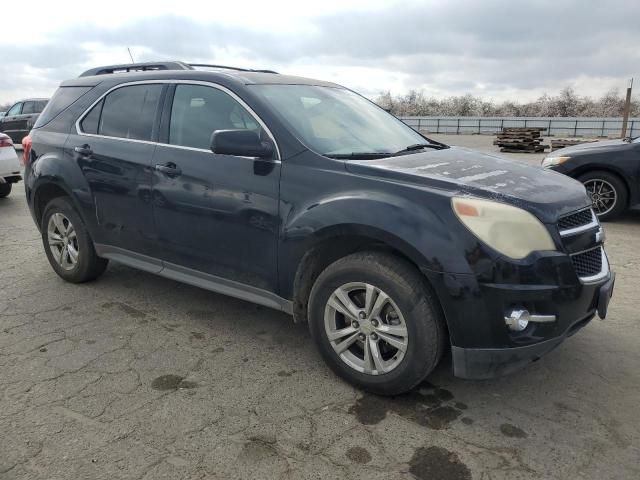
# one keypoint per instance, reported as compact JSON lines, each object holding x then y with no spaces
{"x":539,"y":149}
{"x":520,"y":140}
{"x":558,"y":143}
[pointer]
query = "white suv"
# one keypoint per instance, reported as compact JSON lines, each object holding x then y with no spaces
{"x":9,"y":165}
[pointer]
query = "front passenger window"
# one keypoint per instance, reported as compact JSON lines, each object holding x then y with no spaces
{"x":15,"y":110}
{"x":199,"y":110}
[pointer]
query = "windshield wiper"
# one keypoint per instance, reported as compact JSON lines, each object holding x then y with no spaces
{"x":358,"y":155}
{"x":420,"y":146}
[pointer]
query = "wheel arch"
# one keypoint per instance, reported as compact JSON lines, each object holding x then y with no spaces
{"x":43,"y":194}
{"x":335,"y":242}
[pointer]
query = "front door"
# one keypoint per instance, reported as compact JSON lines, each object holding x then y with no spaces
{"x":215,"y":214}
{"x":114,"y":150}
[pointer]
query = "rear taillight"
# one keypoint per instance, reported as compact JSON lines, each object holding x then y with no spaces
{"x":26,"y":149}
{"x":5,"y":141}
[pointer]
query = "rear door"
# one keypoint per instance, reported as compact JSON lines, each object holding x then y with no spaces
{"x":24,"y":122}
{"x":9,"y":123}
{"x":30,"y":113}
{"x":114,"y":145}
{"x":215,"y":214}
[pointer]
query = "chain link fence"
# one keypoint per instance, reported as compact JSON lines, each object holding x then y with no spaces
{"x":554,"y":126}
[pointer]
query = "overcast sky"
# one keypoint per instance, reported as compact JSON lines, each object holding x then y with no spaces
{"x":495,"y":49}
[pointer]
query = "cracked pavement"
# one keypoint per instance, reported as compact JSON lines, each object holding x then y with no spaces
{"x":134,"y":376}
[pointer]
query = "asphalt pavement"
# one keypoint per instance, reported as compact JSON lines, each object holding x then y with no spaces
{"x":134,"y":376}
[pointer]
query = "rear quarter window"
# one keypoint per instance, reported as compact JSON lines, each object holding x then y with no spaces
{"x":61,"y":100}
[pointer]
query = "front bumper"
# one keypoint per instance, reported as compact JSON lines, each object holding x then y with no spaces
{"x":475,"y":308}
{"x":485,"y":363}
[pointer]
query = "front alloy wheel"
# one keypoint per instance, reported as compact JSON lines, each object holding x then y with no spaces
{"x":603,"y":195}
{"x":375,"y":321}
{"x":366,"y":328}
{"x":608,"y":193}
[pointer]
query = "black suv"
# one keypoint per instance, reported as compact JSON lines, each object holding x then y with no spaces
{"x":303,"y":196}
{"x":22,"y":115}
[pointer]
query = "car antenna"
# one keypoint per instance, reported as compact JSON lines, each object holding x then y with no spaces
{"x":130,"y":56}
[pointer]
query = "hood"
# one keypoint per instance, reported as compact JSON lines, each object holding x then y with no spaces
{"x":601,"y":145}
{"x":460,"y":171}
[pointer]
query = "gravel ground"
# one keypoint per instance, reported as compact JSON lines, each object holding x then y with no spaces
{"x":136,"y":376}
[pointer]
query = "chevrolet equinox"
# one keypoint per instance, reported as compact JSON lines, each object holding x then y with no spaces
{"x":303,"y":196}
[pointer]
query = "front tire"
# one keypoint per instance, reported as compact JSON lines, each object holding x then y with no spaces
{"x":67,"y":243}
{"x":608,"y":193}
{"x":376,"y":323}
{"x":5,"y":189}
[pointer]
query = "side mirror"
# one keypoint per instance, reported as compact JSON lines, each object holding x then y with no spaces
{"x":240,"y":143}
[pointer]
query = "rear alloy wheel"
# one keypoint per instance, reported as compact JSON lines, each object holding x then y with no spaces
{"x":67,"y":243}
{"x":5,"y":189}
{"x":607,"y":192}
{"x":63,"y":241}
{"x":376,"y":323}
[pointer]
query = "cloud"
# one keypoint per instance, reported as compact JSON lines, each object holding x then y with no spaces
{"x":489,"y":48}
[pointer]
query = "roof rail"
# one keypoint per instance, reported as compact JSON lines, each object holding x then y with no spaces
{"x":136,"y":67}
{"x":154,"y":66}
{"x":225,"y":67}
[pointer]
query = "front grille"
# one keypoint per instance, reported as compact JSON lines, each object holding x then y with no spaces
{"x":589,"y":263}
{"x":574,"y":220}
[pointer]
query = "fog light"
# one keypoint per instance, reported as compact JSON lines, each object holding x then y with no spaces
{"x":517,"y":320}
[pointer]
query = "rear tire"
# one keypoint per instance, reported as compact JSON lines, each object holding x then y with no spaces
{"x":395,"y":363}
{"x":5,"y":189}
{"x":608,"y":193}
{"x":67,"y":243}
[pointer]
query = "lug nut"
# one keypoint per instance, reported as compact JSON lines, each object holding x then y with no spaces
{"x":374,"y":336}
{"x":362,"y":315}
{"x":374,"y":323}
{"x":362,"y":337}
{"x":355,"y":324}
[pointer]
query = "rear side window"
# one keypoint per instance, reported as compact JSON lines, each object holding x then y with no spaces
{"x":91,"y":120}
{"x":129,"y":112}
{"x":61,"y":100}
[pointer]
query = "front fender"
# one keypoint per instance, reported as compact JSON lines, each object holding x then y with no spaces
{"x":420,"y":230}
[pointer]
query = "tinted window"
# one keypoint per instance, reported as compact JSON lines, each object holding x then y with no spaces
{"x":61,"y":100}
{"x":129,"y":112}
{"x":15,"y":110}
{"x":90,"y":122}
{"x":29,"y":107}
{"x":198,"y":111}
{"x":40,"y":104}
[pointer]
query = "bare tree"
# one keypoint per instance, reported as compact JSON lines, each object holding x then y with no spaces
{"x":566,"y":104}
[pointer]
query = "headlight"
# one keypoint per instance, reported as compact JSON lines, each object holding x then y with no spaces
{"x":551,"y":161}
{"x":509,"y":230}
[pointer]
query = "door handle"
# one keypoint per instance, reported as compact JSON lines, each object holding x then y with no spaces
{"x":170,"y":169}
{"x":84,"y":150}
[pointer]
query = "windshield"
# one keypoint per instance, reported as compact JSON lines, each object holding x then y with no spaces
{"x":335,"y":121}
